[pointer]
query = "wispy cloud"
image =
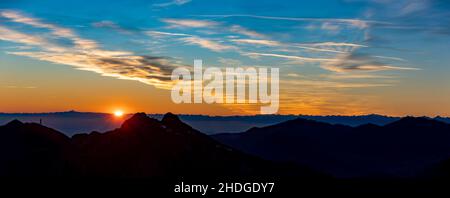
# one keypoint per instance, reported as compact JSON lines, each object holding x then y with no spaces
{"x":164,"y":34}
{"x":172,"y":3}
{"x":111,"y":25}
{"x":405,"y":7}
{"x":359,"y":62}
{"x":189,"y":23}
{"x":244,"y":31}
{"x":359,"y":23}
{"x":336,"y":44}
{"x":318,"y":47}
{"x":7,"y":34}
{"x":85,"y":54}
{"x":293,"y":75}
{"x":18,"y":87}
{"x":390,"y":58}
{"x":296,"y":58}
{"x":207,"y":43}
{"x":340,"y":76}
{"x":192,"y":23}
{"x":257,"y":42}
{"x":230,"y":62}
{"x":56,"y":30}
{"x":329,"y":27}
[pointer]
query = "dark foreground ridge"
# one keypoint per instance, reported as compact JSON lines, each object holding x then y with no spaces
{"x":409,"y":147}
{"x":142,"y":147}
{"x":147,"y":155}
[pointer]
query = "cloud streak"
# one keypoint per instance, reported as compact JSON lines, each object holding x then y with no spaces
{"x":111,"y":25}
{"x":359,"y":62}
{"x":164,"y":34}
{"x":85,"y":54}
{"x":295,"y":58}
{"x":172,"y":3}
{"x":207,"y":44}
{"x":189,"y":23}
{"x":359,"y":23}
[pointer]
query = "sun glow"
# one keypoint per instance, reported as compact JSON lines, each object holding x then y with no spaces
{"x":118,"y":113}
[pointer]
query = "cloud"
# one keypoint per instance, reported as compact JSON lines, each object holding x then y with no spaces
{"x":414,"y":6}
{"x":164,"y":34}
{"x":190,"y":23}
{"x":159,"y":34}
{"x":329,"y":27}
{"x":257,"y":42}
{"x":405,"y":7}
{"x":206,"y":43}
{"x":321,"y":84}
{"x":358,"y":23}
{"x":18,"y":87}
{"x":359,"y":62}
{"x":172,"y":3}
{"x":294,"y":75}
{"x":334,"y":47}
{"x":146,"y":69}
{"x":340,"y":76}
{"x":320,"y":47}
{"x":20,"y":18}
{"x":86,"y":54}
{"x":390,"y":58}
{"x":295,"y":58}
{"x":229,"y":62}
{"x":244,"y":31}
{"x":7,"y":34}
{"x":112,"y":25}
{"x":336,"y":44}
{"x":55,"y":30}
{"x":10,"y":35}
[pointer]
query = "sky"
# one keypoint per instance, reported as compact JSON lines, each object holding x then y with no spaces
{"x":336,"y":57}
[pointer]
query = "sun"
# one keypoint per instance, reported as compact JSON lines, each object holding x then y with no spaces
{"x":118,"y":113}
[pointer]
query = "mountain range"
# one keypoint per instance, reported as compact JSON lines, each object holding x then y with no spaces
{"x":72,"y":122}
{"x":403,"y":148}
{"x":142,"y":147}
{"x":299,"y":154}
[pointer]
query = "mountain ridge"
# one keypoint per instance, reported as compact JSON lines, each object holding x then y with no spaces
{"x":73,"y":122}
{"x":142,"y":147}
{"x":402,"y":148}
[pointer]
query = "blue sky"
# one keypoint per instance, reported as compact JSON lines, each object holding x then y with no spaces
{"x":335,"y":56}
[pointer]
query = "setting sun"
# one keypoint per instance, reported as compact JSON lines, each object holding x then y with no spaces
{"x":118,"y":113}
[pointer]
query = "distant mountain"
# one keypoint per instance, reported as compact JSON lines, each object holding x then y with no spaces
{"x":142,"y":147}
{"x":72,"y":122}
{"x":401,"y":148}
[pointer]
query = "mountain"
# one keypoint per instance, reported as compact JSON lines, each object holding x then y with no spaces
{"x":72,"y":122}
{"x":69,"y":123}
{"x":29,"y":149}
{"x":142,"y":147}
{"x":402,"y":148}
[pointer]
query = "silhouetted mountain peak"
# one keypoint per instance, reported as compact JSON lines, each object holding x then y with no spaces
{"x":170,"y":118}
{"x":140,"y":120}
{"x":410,"y":121}
{"x":301,"y":122}
{"x":140,"y":115}
{"x":173,"y":122}
{"x":14,"y":123}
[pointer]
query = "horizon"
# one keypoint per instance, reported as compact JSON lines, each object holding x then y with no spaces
{"x":230,"y":115}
